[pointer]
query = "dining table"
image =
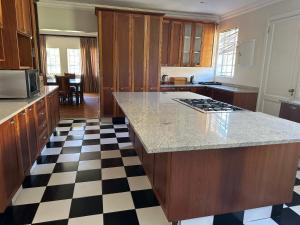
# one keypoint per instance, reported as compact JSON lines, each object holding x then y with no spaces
{"x":75,"y":82}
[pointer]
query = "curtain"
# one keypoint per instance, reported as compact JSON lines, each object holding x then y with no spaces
{"x":89,"y":64}
{"x":43,"y":54}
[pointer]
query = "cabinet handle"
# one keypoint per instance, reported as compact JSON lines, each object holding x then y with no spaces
{"x":30,"y":109}
{"x":44,"y":137}
{"x":42,"y":113}
{"x":12,"y":122}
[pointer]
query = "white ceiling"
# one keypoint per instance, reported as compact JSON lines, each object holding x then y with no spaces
{"x":215,"y":7}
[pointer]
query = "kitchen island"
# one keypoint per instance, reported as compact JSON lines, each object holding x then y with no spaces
{"x":203,"y":164}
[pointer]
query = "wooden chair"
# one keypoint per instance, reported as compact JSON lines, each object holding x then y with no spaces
{"x":70,"y":75}
{"x":64,"y":91}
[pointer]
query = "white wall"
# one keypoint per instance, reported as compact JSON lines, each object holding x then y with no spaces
{"x":63,"y":43}
{"x":70,"y":19}
{"x":200,"y":73}
{"x":253,"y":25}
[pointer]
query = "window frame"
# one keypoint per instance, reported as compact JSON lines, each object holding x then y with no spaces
{"x":233,"y":63}
{"x":70,"y":65}
{"x":57,"y":63}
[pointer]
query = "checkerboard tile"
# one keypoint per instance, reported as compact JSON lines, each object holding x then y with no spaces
{"x":89,"y":173}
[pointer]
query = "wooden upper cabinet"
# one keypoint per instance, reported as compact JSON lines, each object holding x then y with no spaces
{"x":23,"y":14}
{"x":165,"y":48}
{"x":106,"y":44}
{"x":176,"y":43}
{"x":207,"y":46}
{"x":1,"y":15}
{"x":154,"y":66}
{"x":138,"y":52}
{"x":123,"y":53}
{"x":187,"y":43}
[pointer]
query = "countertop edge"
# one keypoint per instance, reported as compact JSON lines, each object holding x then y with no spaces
{"x":27,"y":105}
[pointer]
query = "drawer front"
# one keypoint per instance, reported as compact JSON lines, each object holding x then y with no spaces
{"x":43,"y":138}
{"x":41,"y":104}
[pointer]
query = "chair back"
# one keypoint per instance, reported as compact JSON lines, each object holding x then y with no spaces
{"x":63,"y":83}
{"x":70,"y":75}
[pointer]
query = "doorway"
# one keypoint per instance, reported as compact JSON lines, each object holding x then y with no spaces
{"x":281,"y":70}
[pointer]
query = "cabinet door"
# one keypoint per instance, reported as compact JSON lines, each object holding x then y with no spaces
{"x":23,"y":139}
{"x":138,"y":52}
{"x":10,"y":172}
{"x":187,"y":44}
{"x":49,"y":113}
{"x":23,"y":14}
{"x":290,"y":112}
{"x":155,"y":28}
{"x":107,"y":53}
{"x":31,"y":131}
{"x":123,"y":44}
{"x":176,"y":43}
{"x":108,"y":102}
{"x":165,"y":48}
{"x":198,"y":32}
{"x":207,"y":45}
{"x":148,"y":163}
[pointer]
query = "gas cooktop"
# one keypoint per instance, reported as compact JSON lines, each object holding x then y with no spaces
{"x":208,"y":105}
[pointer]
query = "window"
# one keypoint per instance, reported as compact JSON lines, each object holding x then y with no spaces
{"x":228,"y":41}
{"x":53,"y":61}
{"x":74,"y":61}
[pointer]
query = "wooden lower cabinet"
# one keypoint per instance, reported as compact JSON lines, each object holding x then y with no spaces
{"x":52,"y":105}
{"x":24,"y":148}
{"x":32,"y":135}
{"x":21,"y":140}
{"x":290,"y":112}
{"x":10,"y":166}
{"x":188,"y":184}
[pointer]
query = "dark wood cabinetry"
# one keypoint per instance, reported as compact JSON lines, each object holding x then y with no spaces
{"x":129,"y":44}
{"x":10,"y":172}
{"x":52,"y":105}
{"x":21,"y":140}
{"x":24,"y":150}
{"x":17,"y":39}
{"x":187,"y":43}
{"x":290,"y":111}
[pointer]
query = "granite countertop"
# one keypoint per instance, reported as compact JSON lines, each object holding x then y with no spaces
{"x":11,"y":107}
{"x":164,"y":125}
{"x":226,"y":87}
{"x":291,"y":101}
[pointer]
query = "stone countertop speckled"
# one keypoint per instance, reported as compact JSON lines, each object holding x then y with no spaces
{"x":164,"y":125}
{"x":11,"y":107}
{"x":292,"y":101}
{"x":231,"y":88}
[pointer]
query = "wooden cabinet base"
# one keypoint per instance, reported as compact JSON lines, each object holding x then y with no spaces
{"x":212,"y":182}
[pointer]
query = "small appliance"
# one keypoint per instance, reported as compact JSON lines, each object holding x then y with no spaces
{"x":19,"y":83}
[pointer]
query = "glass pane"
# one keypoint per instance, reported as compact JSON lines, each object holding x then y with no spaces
{"x":198,"y":32}
{"x":186,"y":58}
{"x":197,"y":58}
{"x":197,"y":44}
{"x":187,"y":44}
{"x":187,"y":30}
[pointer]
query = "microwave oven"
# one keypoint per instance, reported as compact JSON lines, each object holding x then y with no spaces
{"x":19,"y":83}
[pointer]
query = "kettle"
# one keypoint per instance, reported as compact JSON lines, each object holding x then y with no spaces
{"x":192,"y":79}
{"x":164,"y":78}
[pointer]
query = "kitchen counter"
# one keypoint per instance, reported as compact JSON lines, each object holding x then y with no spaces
{"x":291,"y":101}
{"x":164,"y":125}
{"x":11,"y":107}
{"x":231,"y":88}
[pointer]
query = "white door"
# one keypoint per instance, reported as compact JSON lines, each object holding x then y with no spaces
{"x":282,"y":63}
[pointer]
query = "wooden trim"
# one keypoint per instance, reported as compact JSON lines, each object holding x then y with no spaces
{"x":146,"y":52}
{"x":97,"y":9}
{"x":101,"y":92}
{"x":160,"y":53}
{"x":130,"y":52}
{"x":115,"y":64}
{"x":187,"y":20}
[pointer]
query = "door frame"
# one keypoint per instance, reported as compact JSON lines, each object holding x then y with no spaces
{"x":266,"y":61}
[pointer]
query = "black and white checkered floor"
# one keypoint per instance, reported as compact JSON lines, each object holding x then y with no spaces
{"x":89,"y":175}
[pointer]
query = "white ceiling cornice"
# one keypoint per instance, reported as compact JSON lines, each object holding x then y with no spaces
{"x":91,"y":7}
{"x":247,"y":9}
